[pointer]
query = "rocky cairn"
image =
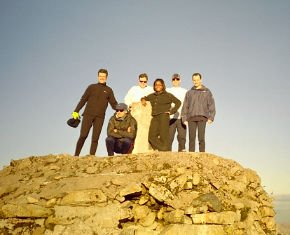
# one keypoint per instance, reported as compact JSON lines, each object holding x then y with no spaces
{"x":154,"y":193}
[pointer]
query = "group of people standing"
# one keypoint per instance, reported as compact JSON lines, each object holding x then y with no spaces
{"x":148,"y":118}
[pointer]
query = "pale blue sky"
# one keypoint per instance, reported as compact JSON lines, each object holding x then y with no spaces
{"x":50,"y":52}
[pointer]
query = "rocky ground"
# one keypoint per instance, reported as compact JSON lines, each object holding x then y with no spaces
{"x":154,"y":193}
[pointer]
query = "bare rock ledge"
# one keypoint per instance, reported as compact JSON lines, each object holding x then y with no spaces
{"x":145,"y":194}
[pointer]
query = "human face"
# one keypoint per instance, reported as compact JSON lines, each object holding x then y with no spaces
{"x":120,"y":113}
{"x":142,"y":82}
{"x":158,"y":86}
{"x":176,"y":82}
{"x":102,"y":77}
{"x":197,"y":81}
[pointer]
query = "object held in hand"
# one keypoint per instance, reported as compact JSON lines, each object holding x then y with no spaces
{"x":73,"y":122}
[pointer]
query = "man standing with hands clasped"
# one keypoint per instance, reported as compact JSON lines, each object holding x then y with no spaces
{"x":96,"y":97}
{"x":198,"y":110}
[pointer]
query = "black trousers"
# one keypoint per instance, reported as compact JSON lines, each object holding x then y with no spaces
{"x":200,"y":127}
{"x":88,"y":122}
{"x":176,"y":124}
{"x":159,"y":132}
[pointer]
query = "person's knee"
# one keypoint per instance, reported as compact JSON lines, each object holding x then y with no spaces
{"x":127,"y":142}
{"x":110,"y":139}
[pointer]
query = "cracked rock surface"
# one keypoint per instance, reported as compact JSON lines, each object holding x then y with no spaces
{"x":151,"y":193}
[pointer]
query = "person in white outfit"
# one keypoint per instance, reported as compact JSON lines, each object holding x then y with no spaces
{"x":135,"y":93}
{"x":141,"y":113}
{"x":175,"y":119}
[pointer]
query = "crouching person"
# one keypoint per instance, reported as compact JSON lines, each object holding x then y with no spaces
{"x":121,"y":130}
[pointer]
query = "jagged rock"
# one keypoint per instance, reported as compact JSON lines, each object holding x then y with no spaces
{"x":150,"y":193}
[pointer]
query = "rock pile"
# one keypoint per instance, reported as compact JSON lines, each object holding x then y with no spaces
{"x":154,"y":193}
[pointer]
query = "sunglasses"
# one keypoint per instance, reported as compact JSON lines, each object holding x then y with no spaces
{"x":177,"y":79}
{"x":143,"y":81}
{"x":120,"y":110}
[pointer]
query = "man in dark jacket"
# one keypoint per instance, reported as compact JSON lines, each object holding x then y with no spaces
{"x":96,"y":97}
{"x":122,"y":129}
{"x":198,"y":109}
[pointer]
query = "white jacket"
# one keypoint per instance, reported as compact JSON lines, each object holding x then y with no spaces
{"x":135,"y":94}
{"x":179,"y":93}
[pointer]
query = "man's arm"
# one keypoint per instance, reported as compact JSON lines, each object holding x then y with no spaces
{"x":131,"y":130}
{"x":184,"y":109}
{"x":111,"y":130}
{"x":112,"y":100}
{"x":211,"y":108}
{"x":176,"y":103}
{"x":128,"y":97}
{"x":83,"y":100}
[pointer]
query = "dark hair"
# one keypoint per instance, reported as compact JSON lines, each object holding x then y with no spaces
{"x":161,"y":81}
{"x":143,"y":75}
{"x":103,"y":71}
{"x":197,"y":74}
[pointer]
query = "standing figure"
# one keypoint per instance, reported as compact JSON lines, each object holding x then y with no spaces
{"x":175,"y":119}
{"x":96,"y":97}
{"x":121,"y":131}
{"x":141,"y":113}
{"x":198,"y":109}
{"x":161,"y":109}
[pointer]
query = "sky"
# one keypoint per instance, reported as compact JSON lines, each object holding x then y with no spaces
{"x":50,"y":51}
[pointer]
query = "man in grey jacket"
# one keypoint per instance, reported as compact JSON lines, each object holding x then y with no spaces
{"x":198,"y":110}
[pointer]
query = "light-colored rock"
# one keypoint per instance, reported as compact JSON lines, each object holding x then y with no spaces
{"x":148,"y":220}
{"x":182,"y":229}
{"x":142,"y":114}
{"x":83,"y":197}
{"x":160,"y":193}
{"x":225,"y":217}
{"x":150,"y":193}
{"x":174,"y":217}
{"x":31,"y":200}
{"x":131,"y":189}
{"x":25,"y":211}
{"x":140,"y":212}
{"x":196,"y":179}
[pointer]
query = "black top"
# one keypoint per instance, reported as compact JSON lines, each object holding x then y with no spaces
{"x":97,"y":96}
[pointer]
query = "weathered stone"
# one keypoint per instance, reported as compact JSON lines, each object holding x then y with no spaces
{"x":174,"y":217}
{"x":51,"y":202}
{"x":4,"y":190}
{"x":178,"y":182}
{"x":188,"y":185}
{"x":182,"y":229}
{"x":160,"y":193}
{"x":31,"y":200}
{"x":225,"y":217}
{"x":143,"y":199}
{"x":196,"y":179}
{"x":25,"y":211}
{"x":90,"y":195}
{"x":148,"y":220}
{"x":142,"y":114}
{"x":212,"y":201}
{"x":132,"y":188}
{"x":140,"y":212}
{"x":83,"y":197}
{"x":267,"y":211}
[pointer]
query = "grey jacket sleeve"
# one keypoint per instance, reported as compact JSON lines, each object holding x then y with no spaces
{"x":184,"y":110}
{"x":211,"y":107}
